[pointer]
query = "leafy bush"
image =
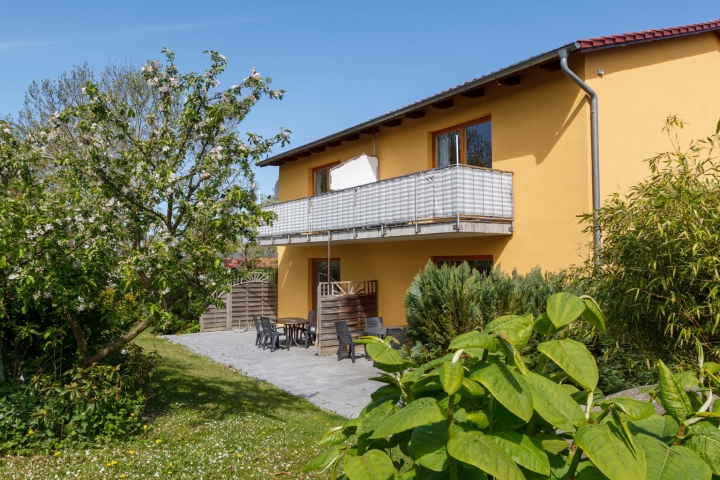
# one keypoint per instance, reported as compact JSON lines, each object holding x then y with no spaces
{"x":80,"y":408}
{"x":480,"y":412}
{"x":660,"y":263}
{"x":444,"y":302}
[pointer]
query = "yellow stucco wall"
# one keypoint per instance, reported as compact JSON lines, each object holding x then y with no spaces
{"x":540,"y":133}
{"x":641,"y":86}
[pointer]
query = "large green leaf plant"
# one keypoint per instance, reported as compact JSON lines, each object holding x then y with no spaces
{"x":483,"y":411}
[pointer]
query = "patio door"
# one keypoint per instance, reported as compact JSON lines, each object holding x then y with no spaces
{"x":320,"y":274}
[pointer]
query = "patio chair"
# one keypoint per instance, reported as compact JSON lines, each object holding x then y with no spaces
{"x":373,"y":322}
{"x":258,"y":328}
{"x":344,"y":339}
{"x":399,"y":334}
{"x":307,"y":331}
{"x":270,"y":333}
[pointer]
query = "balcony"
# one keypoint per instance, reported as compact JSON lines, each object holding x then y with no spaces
{"x":459,"y":200}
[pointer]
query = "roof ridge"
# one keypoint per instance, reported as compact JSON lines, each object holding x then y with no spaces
{"x":645,"y":35}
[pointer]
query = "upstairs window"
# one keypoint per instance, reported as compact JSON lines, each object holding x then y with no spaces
{"x":469,"y":143}
{"x":321,"y":178}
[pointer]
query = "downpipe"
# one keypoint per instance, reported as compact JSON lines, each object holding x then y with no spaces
{"x":595,"y":148}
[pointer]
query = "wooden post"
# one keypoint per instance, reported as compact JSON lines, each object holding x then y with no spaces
{"x":228,"y":309}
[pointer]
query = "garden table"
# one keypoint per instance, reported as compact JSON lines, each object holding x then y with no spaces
{"x":293,"y":324}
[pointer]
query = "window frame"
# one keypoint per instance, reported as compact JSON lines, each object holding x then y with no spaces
{"x":462,"y":127}
{"x":327,"y":167}
{"x":459,"y":258}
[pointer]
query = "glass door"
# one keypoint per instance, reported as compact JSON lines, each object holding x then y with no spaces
{"x":320,"y":274}
{"x":447,"y":149}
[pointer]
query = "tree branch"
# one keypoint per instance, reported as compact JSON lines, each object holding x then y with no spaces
{"x":87,"y":361}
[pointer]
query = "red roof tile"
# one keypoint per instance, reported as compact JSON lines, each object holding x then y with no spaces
{"x":636,"y":37}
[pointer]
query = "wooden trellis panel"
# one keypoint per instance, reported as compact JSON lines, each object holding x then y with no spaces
{"x":254,"y":295}
{"x":349,"y":301}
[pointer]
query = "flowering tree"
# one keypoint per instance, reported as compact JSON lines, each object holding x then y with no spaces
{"x":158,"y":183}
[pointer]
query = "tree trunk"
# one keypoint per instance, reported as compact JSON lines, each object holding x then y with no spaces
{"x":89,"y":360}
{"x":77,"y":332}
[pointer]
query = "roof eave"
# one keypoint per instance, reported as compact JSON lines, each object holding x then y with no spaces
{"x":480,"y":82}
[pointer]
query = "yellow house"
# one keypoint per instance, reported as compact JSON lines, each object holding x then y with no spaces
{"x":493,"y":171}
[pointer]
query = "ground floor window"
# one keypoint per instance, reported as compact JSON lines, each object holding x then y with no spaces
{"x":320,"y":274}
{"x":481,"y":263}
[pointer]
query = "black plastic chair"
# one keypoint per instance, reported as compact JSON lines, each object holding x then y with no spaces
{"x":373,"y":322}
{"x":307,"y":331}
{"x":399,"y":335}
{"x":270,"y":333}
{"x":258,"y":328}
{"x":344,"y":339}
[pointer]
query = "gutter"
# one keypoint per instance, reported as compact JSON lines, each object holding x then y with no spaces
{"x":595,"y":147}
{"x":480,"y":82}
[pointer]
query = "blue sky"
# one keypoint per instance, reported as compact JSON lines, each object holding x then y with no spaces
{"x":340,"y":62}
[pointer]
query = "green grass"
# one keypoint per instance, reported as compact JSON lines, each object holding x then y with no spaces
{"x":204,"y":421}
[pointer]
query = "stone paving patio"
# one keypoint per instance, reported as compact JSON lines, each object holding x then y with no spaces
{"x":338,"y":386}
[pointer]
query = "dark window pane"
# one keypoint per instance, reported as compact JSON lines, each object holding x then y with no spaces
{"x":482,"y":266}
{"x":321,"y":271}
{"x":478,"y":145}
{"x":321,"y":181}
{"x":320,"y":275}
{"x":447,"y":148}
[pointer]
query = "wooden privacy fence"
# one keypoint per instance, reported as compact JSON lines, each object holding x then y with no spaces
{"x":349,"y":301}
{"x":256,"y":294}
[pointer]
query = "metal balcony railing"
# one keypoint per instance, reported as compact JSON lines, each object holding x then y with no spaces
{"x":451,"y":193}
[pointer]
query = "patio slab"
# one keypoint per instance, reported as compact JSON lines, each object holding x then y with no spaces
{"x":338,"y":386}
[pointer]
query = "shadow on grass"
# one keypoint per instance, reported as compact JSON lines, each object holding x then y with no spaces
{"x":212,"y":391}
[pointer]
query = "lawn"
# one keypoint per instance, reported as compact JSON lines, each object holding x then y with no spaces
{"x":204,"y":421}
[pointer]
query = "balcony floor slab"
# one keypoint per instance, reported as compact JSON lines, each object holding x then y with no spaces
{"x":424,"y":231}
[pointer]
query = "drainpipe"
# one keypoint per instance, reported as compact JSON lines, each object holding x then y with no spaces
{"x":563,"y":56}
